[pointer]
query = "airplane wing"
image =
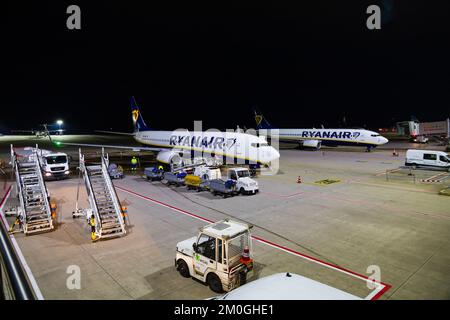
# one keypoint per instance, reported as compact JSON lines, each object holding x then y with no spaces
{"x":136,"y":148}
{"x":115,"y":132}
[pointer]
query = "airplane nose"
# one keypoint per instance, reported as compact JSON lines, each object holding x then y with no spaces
{"x":384,"y":140}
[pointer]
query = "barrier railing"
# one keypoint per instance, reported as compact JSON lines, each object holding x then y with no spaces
{"x":14,"y":283}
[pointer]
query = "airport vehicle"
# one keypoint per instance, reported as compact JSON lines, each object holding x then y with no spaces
{"x":315,"y":138}
{"x":222,"y":187}
{"x":108,"y":220}
{"x":200,"y":177}
{"x":153,"y":173}
{"x":54,"y":165}
{"x":427,"y":158}
{"x":207,"y":172}
{"x":33,"y":212}
{"x":115,"y":171}
{"x":176,"y":178}
{"x":194,"y":182}
{"x":220,"y":255}
{"x":172,"y":146}
{"x":244,"y":184}
{"x":286,"y":286}
{"x":420,"y":139}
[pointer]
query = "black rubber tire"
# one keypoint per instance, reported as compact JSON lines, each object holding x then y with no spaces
{"x":183,"y":269}
{"x":242,"y":191}
{"x":214,"y":283}
{"x":242,"y":278}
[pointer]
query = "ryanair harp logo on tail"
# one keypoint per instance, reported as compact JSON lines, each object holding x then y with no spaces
{"x":135,"y":115}
{"x":258,"y":119}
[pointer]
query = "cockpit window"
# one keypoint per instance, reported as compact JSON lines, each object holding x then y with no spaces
{"x":257,"y":145}
{"x":375,"y":135}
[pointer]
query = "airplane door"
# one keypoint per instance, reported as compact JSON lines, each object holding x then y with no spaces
{"x":205,"y":254}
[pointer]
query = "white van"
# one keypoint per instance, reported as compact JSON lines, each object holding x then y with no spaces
{"x":427,"y":158}
{"x":286,"y":286}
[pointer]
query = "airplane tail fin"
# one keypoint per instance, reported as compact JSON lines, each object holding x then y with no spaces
{"x":138,"y":120}
{"x":261,"y":122}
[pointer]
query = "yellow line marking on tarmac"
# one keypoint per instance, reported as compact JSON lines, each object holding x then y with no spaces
{"x":326,"y":182}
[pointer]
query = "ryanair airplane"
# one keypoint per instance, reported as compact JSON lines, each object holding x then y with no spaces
{"x":171,"y":146}
{"x":315,"y":138}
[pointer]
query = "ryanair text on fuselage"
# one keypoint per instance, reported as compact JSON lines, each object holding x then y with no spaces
{"x":202,"y":142}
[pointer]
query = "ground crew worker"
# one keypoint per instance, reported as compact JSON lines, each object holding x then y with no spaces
{"x":92,"y":224}
{"x":53,"y":210}
{"x":16,"y":222}
{"x":134,"y":163}
{"x":160,"y":168}
{"x":124,"y":214}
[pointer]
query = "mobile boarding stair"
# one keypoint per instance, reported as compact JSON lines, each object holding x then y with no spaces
{"x":33,"y":213}
{"x":105,"y":206}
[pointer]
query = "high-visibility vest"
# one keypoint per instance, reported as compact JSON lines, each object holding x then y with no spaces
{"x":134,"y":161}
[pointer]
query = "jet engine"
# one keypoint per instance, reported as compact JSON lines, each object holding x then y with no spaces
{"x":312,"y":144}
{"x":169,"y":157}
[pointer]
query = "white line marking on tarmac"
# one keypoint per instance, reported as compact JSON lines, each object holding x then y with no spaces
{"x":27,"y":269}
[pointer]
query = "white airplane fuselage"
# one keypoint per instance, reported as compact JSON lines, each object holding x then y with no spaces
{"x":233,"y":145}
{"x":328,"y":137}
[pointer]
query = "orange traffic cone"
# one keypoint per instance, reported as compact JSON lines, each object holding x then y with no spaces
{"x":299,"y":179}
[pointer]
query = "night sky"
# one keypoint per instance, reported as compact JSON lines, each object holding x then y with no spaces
{"x":303,"y":65}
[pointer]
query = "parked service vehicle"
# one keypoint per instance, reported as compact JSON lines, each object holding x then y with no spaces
{"x":176,"y":178}
{"x":54,"y":165}
{"x":244,"y":184}
{"x":207,"y":173}
{"x":224,"y":188}
{"x":219,"y":255}
{"x":115,"y":171}
{"x":153,"y":173}
{"x":427,"y":158}
{"x":286,"y":286}
{"x":419,"y":139}
{"x":194,"y":182}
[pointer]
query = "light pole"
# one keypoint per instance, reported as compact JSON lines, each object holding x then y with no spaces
{"x":59,"y":123}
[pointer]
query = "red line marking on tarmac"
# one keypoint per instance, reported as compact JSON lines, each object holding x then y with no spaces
{"x":164,"y":204}
{"x":437,"y":175}
{"x":4,"y":197}
{"x":376,"y":294}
